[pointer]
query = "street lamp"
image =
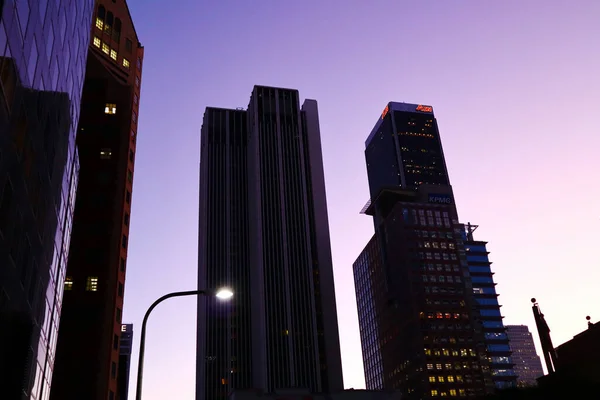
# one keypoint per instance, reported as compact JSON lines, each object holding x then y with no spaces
{"x":221,"y":294}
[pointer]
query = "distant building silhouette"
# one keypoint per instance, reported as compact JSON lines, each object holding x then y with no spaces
{"x":527,"y":363}
{"x":125,"y":350}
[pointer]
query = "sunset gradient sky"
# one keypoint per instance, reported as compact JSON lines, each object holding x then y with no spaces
{"x":515,"y":86}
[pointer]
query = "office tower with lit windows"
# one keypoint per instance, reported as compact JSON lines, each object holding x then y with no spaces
{"x":486,"y":299}
{"x":527,"y":363}
{"x":264,"y":232}
{"x":41,"y":77}
{"x":88,"y":344}
{"x":125,"y":349}
{"x":418,"y":319}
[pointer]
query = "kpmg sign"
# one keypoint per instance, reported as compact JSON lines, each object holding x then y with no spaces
{"x":440,"y":198}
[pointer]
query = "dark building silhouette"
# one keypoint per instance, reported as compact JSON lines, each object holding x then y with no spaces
{"x":41,"y":76}
{"x":573,"y":363}
{"x":420,"y":329}
{"x":88,"y":347}
{"x":125,"y":349}
{"x":527,"y":363}
{"x":486,"y":298}
{"x":264,"y":232}
{"x":579,"y":357}
{"x":404,"y":149}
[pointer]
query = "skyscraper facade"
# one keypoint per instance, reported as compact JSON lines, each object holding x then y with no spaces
{"x":264,"y":232}
{"x":527,"y":363}
{"x":486,"y":298}
{"x":42,"y":64}
{"x":88,"y":347}
{"x":125,"y":349}
{"x":418,"y":318}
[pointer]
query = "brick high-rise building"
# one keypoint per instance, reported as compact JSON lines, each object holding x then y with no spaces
{"x":88,"y":344}
{"x":42,"y":64}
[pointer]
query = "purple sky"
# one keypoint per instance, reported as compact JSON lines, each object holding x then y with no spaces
{"x":516,"y":90}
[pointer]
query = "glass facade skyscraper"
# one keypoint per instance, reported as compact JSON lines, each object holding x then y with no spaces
{"x":264,"y":232}
{"x":43,"y":51}
{"x":486,"y":298}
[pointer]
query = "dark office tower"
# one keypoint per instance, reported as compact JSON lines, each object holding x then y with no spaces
{"x":264,"y":232}
{"x":486,"y":299}
{"x":88,"y":346}
{"x":418,"y":319}
{"x":125,"y":349}
{"x":404,"y":149}
{"x":528,"y":365}
{"x":415,"y":305}
{"x":42,"y":61}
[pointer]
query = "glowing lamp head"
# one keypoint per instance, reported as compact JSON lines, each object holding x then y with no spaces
{"x":224,"y":294}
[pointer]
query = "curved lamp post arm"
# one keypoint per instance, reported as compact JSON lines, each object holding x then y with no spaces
{"x":138,"y":392}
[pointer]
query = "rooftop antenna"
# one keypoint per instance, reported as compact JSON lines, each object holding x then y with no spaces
{"x":588,"y":318}
{"x":470,"y":230}
{"x":546,"y":341}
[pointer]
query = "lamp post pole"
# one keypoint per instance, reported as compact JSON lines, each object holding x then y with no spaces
{"x":138,"y":392}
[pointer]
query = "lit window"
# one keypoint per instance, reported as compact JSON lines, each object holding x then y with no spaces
{"x":92,"y":284}
{"x":105,"y":48}
{"x":429,"y":366}
{"x":441,"y":379}
{"x":461,"y":392}
{"x":97,"y":41}
{"x":453,"y":392}
{"x":459,"y":378}
{"x":105,"y":154}
{"x":99,"y":23}
{"x":110,"y":108}
{"x":427,"y":352}
{"x":434,"y":392}
{"x":126,"y":63}
{"x":450,"y":378}
{"x":438,"y":366}
{"x":69,"y":283}
{"x":113,"y":54}
{"x":446,"y":352}
{"x":432,"y":379}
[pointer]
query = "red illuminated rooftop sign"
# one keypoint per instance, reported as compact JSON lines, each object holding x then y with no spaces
{"x":424,"y":108}
{"x":385,"y":111}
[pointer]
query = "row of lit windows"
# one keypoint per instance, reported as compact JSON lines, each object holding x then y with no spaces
{"x":108,"y":51}
{"x":440,"y":267}
{"x":437,"y":256}
{"x":425,"y":135}
{"x":440,"y":315}
{"x":444,"y":379}
{"x":453,"y":393}
{"x":448,"y":352}
{"x":441,"y":279}
{"x":90,"y":286}
{"x":454,"y":366}
{"x":435,"y":234}
{"x":446,"y":326}
{"x":436,"y":245}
